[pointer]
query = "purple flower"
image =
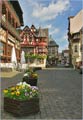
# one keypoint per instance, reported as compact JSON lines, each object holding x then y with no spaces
{"x":34,"y":87}
{"x":26,"y":94}
{"x":30,"y":93}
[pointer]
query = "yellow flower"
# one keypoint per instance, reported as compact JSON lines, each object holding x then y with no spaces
{"x":5,"y":91}
{"x":12,"y":93}
{"x":12,"y":88}
{"x":17,"y":87}
{"x":18,"y":93}
{"x":20,"y":86}
{"x":34,"y":90}
{"x":34,"y":75}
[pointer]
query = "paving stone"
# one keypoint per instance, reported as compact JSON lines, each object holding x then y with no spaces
{"x":60,"y":95}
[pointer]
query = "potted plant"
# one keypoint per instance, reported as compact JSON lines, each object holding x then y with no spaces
{"x":30,"y":77}
{"x":33,"y":78}
{"x":21,"y":99}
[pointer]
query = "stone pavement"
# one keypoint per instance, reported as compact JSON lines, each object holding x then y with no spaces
{"x":60,"y":95}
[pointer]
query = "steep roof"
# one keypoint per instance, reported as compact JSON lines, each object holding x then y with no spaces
{"x":33,"y":27}
{"x":18,"y":10}
{"x":42,"y":32}
{"x":26,"y":28}
{"x":76,"y":22}
{"x":52,"y":43}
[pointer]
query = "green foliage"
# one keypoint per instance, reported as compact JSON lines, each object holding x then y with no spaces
{"x":36,"y":56}
{"x":30,"y":73}
{"x":27,"y":55}
{"x":21,"y":91}
{"x":41,"y":56}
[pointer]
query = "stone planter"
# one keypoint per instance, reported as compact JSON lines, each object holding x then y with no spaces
{"x":21,"y":108}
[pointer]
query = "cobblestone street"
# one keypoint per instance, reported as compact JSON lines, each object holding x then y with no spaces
{"x":41,"y":59}
{"x":60,"y":94}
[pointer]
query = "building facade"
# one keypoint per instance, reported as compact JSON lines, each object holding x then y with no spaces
{"x":74,"y":37}
{"x":65,"y":56}
{"x":11,"y":19}
{"x":81,"y":43}
{"x":52,"y":52}
{"x":34,"y":41}
{"x":60,"y":57}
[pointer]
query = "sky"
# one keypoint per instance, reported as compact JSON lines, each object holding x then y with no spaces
{"x":51,"y":14}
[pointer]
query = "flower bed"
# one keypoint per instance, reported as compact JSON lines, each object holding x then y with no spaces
{"x":21,"y":99}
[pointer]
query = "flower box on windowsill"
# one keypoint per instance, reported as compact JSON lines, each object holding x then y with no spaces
{"x":21,"y":107}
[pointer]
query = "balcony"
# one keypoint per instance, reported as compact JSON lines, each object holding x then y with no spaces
{"x":42,"y":44}
{"x":11,"y":10}
{"x":10,"y":28}
{"x":32,"y":43}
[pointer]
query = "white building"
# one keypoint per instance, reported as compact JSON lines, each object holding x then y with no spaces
{"x":74,"y":37}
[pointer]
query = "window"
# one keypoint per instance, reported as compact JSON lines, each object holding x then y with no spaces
{"x":9,"y":50}
{"x":1,"y":48}
{"x":76,"y":36}
{"x":76,"y":50}
{"x":81,"y":48}
{"x":4,"y":17}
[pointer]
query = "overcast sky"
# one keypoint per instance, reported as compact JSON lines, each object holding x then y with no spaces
{"x":52,"y":14}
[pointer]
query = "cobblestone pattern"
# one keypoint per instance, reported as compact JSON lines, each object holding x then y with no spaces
{"x":60,"y":96}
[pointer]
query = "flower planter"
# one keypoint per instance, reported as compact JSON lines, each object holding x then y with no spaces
{"x":21,"y":108}
{"x":25,"y":79}
{"x":31,"y":81}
